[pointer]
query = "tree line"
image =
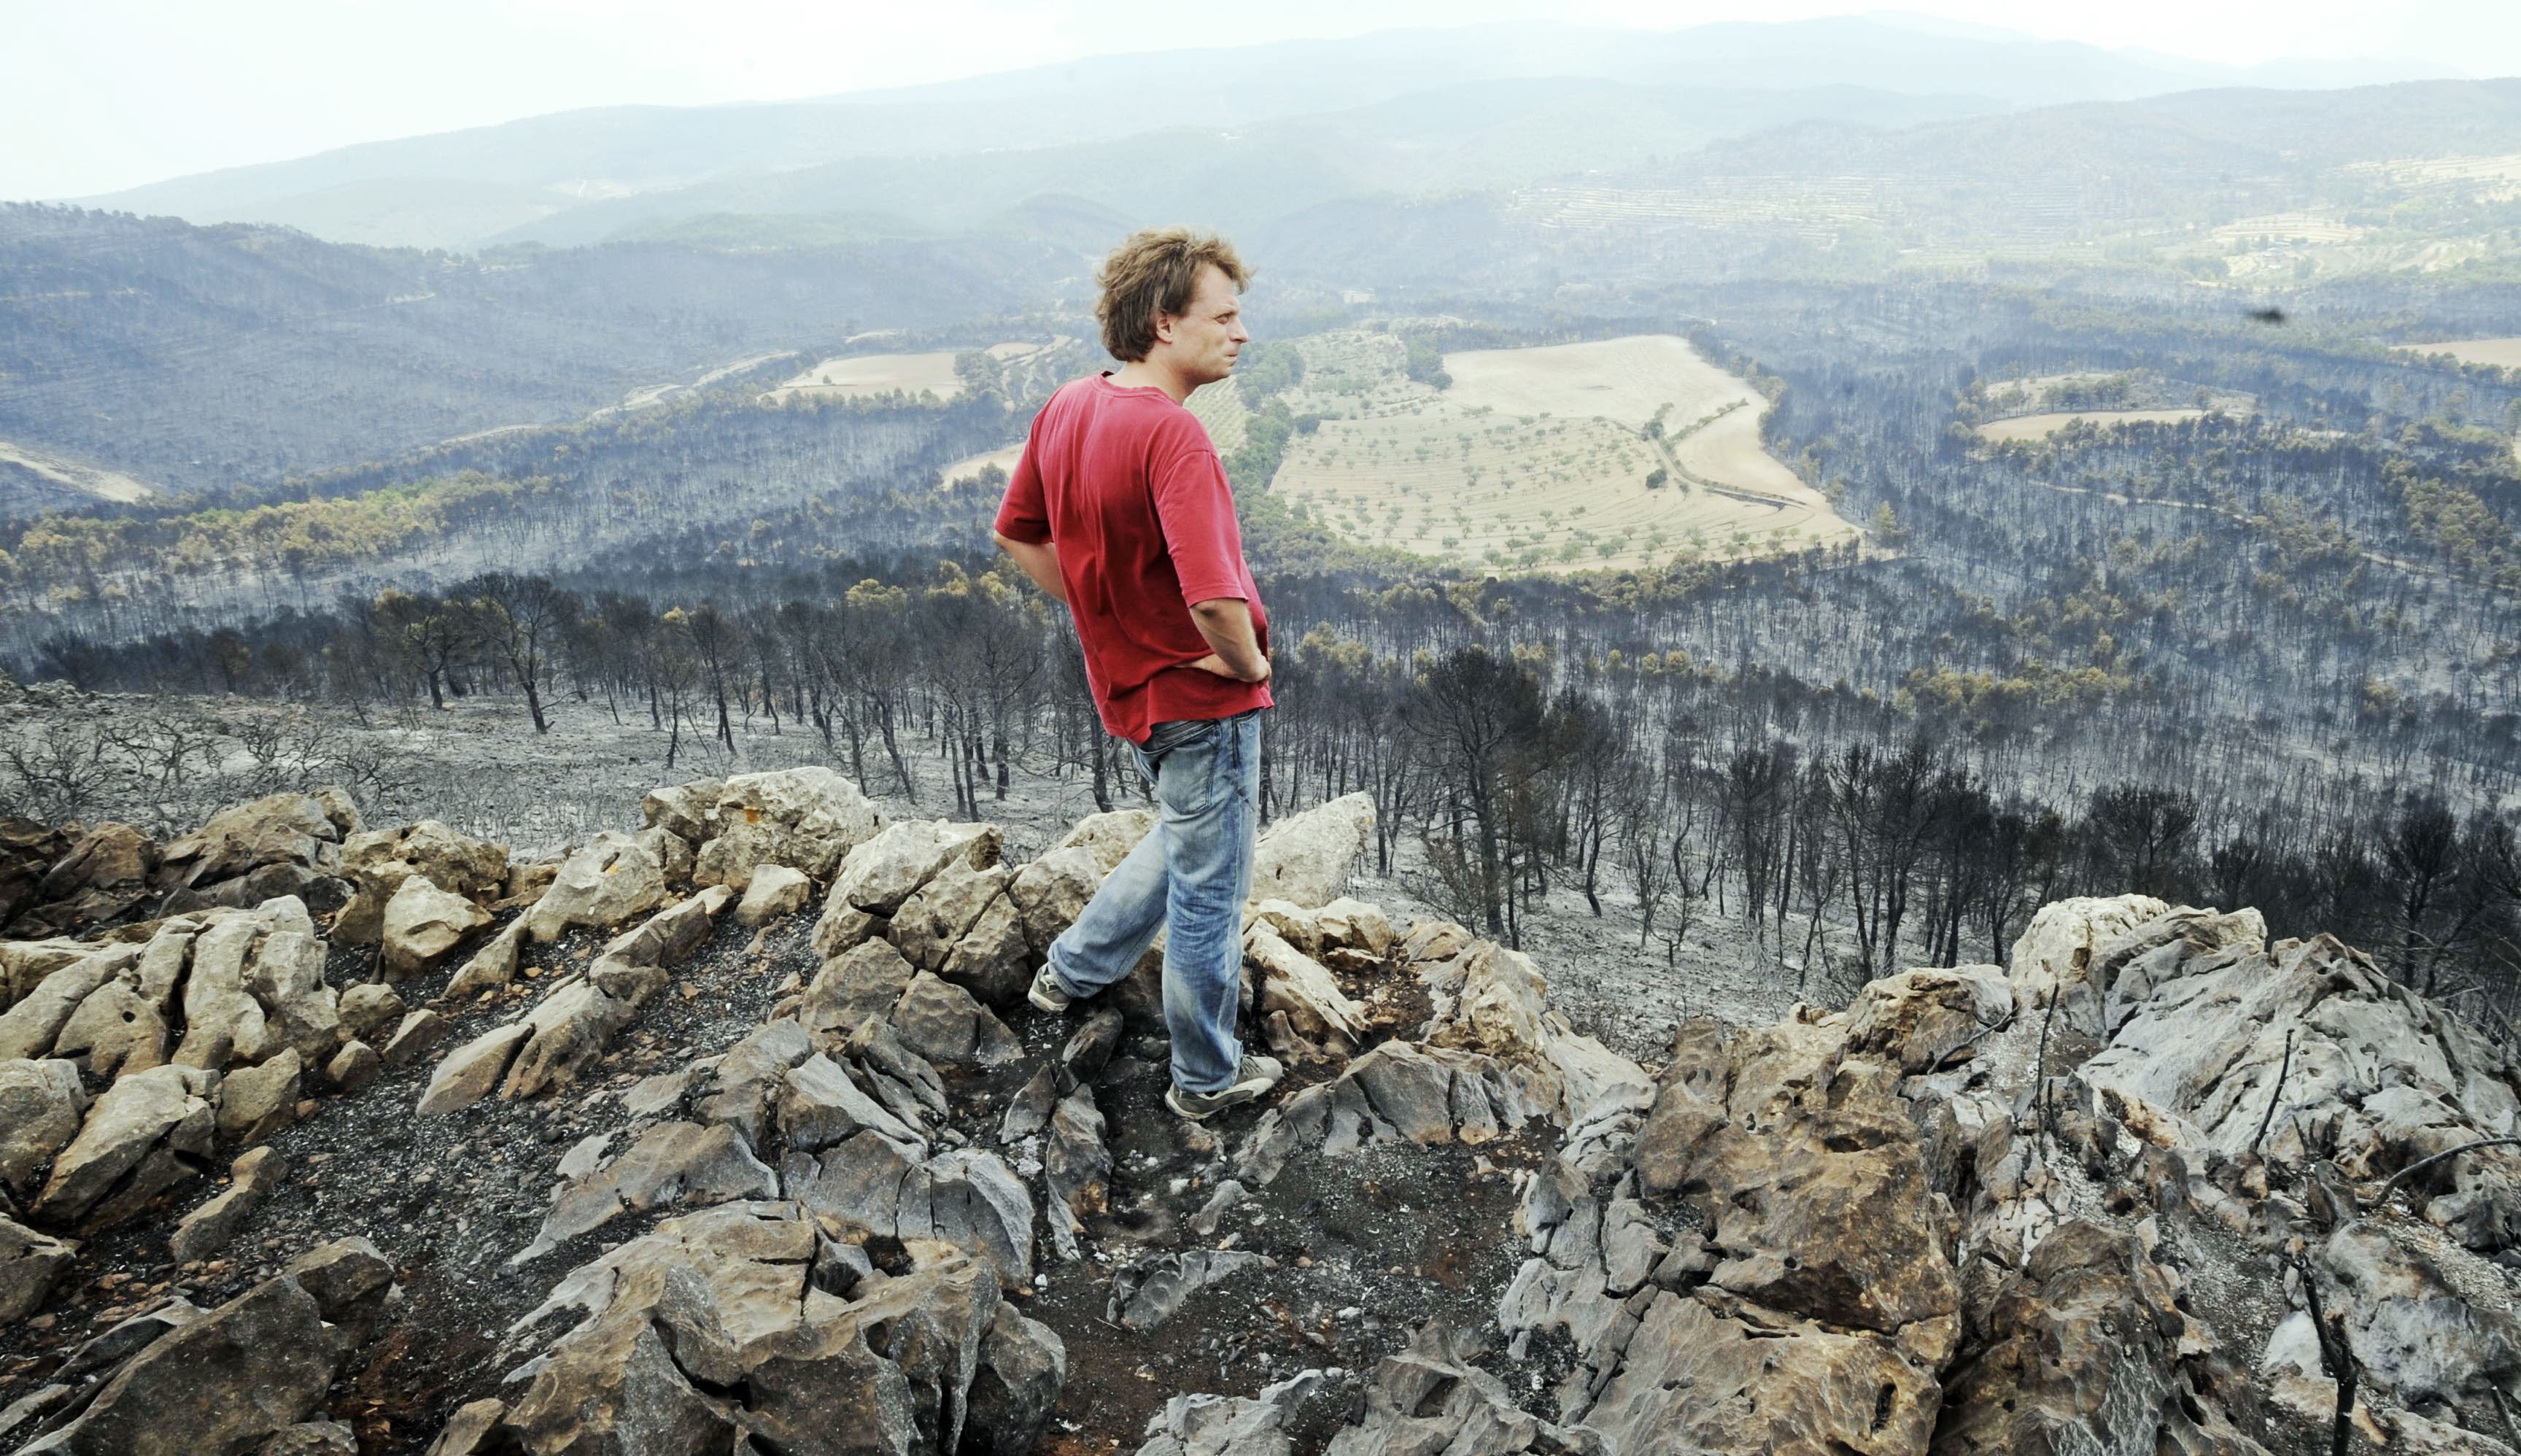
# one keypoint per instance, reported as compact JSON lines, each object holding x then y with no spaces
{"x":1850,"y":839}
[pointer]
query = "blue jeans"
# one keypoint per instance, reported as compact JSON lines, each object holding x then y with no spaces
{"x":1189,"y":875}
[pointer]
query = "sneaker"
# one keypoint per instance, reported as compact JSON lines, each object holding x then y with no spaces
{"x":1045,"y":992}
{"x":1252,"y":1079}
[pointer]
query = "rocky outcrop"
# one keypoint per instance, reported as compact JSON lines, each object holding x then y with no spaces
{"x":380,"y":862}
{"x":804,"y":818}
{"x":574,"y":1022}
{"x":423,"y":923}
{"x":608,"y":882}
{"x":237,"y":1378}
{"x":1975,"y":1208}
{"x":283,"y":845}
{"x":753,"y":1322}
{"x":1305,"y":858}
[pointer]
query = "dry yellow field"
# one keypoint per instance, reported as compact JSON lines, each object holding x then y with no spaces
{"x":2040,"y":426}
{"x":971,"y":468}
{"x":2503,"y":353}
{"x":1538,"y":460}
{"x":874,"y":374}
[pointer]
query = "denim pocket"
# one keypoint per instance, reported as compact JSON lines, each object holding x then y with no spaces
{"x":1189,"y":772}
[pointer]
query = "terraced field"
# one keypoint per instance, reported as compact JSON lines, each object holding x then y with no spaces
{"x":1621,"y":453}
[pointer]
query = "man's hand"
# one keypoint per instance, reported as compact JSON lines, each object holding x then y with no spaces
{"x":1234,"y":647}
{"x":1039,"y":562}
{"x":1216,"y":664}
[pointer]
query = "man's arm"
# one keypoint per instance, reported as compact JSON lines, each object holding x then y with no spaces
{"x":1234,"y":647}
{"x":1041,"y":563}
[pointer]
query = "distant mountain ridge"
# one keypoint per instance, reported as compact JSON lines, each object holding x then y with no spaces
{"x":563,"y":178}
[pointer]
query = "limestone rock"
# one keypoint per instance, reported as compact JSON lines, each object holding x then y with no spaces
{"x":27,"y":851}
{"x":1076,"y":1168}
{"x":354,"y":1067}
{"x":881,"y":873}
{"x":944,"y":1023}
{"x":30,"y":1264}
{"x":1431,"y":1397}
{"x":256,"y":1102}
{"x":294,"y":828}
{"x":1153,"y":1288}
{"x":992,"y":960}
{"x":819,"y":1105}
{"x":417,"y":1034}
{"x":689,"y":812}
{"x":1016,"y":1385}
{"x":2376,"y":1078}
{"x":965,"y":1197}
{"x":1290,"y":981}
{"x":671,"y":1162}
{"x":864,"y":982}
{"x":106,"y":872}
{"x":1704,"y":1373}
{"x":423,"y":923}
{"x":145,"y":1134}
{"x":207,"y":1231}
{"x":602,"y":884}
{"x":40,"y":1103}
{"x":708,"y":1324}
{"x":1107,"y":837}
{"x":470,"y":1071}
{"x":739,"y":1089}
{"x":2053,"y":956}
{"x":241,"y":1375}
{"x":115,"y":1029}
{"x":934,"y":916}
{"x":804,"y":818}
{"x":1197,"y":1424}
{"x":775,"y":890}
{"x":494,"y":965}
{"x":30,"y":1027}
{"x":378,"y":862}
{"x":2076,"y":1349}
{"x":1049,"y":892}
{"x":675,"y":855}
{"x":1305,"y":858}
{"x":371,"y":1010}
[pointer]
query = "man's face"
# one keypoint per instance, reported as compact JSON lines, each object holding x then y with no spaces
{"x":1204,"y":341}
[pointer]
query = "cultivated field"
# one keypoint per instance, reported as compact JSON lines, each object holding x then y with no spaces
{"x":868,"y":374}
{"x":970,"y":469}
{"x":2040,"y":426}
{"x":1545,"y":459}
{"x":2503,"y":353}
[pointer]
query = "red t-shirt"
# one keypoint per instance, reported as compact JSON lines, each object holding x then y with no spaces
{"x":1126,"y":484}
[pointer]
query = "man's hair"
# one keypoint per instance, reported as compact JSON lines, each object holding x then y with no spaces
{"x":1154,"y":273}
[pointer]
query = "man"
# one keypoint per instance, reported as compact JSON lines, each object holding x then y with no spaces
{"x":1121,"y":509}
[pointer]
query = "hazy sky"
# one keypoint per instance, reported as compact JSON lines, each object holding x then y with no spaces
{"x":97,"y":95}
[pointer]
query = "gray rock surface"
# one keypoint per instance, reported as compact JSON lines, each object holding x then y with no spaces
{"x":40,"y":1109}
{"x":602,"y":884}
{"x":207,"y":1231}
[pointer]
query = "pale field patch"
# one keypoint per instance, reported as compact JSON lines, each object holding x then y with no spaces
{"x":867,"y":375}
{"x":970,"y":469}
{"x":2291,"y":227}
{"x":1537,"y":460}
{"x":2496,"y":177}
{"x":2503,"y":353}
{"x":103,"y":485}
{"x":2040,"y":426}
